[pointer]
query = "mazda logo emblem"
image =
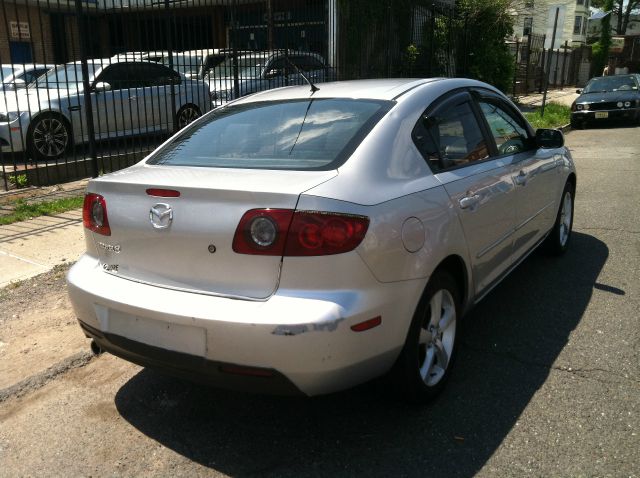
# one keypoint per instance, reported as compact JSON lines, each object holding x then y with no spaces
{"x":161,"y":216}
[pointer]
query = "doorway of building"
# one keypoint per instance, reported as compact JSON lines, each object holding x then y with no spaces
{"x":20,"y":52}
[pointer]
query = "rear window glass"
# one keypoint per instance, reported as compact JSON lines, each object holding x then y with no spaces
{"x":301,"y":134}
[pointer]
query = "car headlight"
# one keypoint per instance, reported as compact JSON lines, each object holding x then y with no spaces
{"x":580,"y":107}
{"x":8,"y":117}
{"x":619,"y":104}
{"x":627,"y":104}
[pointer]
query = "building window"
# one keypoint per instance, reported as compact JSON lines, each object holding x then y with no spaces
{"x":528,"y":26}
{"x":528,"y":4}
{"x":584,"y":27}
{"x":580,"y":2}
{"x":577,"y":26}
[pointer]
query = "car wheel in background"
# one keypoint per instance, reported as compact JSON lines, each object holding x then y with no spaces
{"x":48,"y":137}
{"x":576,"y":124}
{"x":557,"y":242}
{"x":187,"y":114}
{"x":425,"y":362}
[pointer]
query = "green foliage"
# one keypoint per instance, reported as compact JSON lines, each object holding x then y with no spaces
{"x":486,"y":24}
{"x":600,"y":49}
{"x":23,"y":210}
{"x":555,"y":116}
{"x":20,"y":180}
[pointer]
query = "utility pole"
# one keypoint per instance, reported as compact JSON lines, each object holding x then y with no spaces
{"x":546,"y":75}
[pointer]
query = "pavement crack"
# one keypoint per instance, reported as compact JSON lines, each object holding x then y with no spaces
{"x":39,"y":380}
{"x":588,"y":373}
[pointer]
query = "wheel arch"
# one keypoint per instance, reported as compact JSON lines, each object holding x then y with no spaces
{"x":573,"y":180}
{"x":457,"y":268}
{"x":58,"y":113}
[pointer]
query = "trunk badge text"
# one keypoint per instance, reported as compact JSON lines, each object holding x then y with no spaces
{"x":109,"y":247}
{"x":161,"y":216}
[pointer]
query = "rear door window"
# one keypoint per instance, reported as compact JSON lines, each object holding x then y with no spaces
{"x":450,"y":135}
{"x":312,"y":134}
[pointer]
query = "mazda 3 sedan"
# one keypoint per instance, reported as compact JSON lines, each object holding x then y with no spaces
{"x":305,"y":242}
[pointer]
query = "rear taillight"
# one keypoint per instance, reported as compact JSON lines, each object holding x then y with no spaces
{"x":94,"y":214}
{"x":262,"y":232}
{"x":315,"y":233}
{"x":283,"y":232}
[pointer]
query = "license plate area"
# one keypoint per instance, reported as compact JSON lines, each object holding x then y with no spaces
{"x":166,"y":335}
{"x":602,"y":114}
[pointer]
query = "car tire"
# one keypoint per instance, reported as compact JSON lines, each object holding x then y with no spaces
{"x":425,"y":362}
{"x":187,"y":114}
{"x":575,"y":124}
{"x":48,"y":137}
{"x":558,"y":240}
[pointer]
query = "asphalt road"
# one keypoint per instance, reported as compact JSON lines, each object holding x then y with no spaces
{"x":547,"y":381}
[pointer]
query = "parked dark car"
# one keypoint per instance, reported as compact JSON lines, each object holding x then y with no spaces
{"x":607,"y":98}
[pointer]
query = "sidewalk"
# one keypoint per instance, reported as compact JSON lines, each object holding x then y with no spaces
{"x":35,"y":246}
{"x":565,"y":97}
{"x":31,"y":247}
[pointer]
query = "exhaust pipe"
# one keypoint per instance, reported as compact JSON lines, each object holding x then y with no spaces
{"x":95,"y":348}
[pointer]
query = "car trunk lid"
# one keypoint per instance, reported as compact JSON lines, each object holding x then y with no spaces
{"x":194,"y":251}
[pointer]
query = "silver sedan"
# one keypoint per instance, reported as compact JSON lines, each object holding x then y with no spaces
{"x":128,"y":98}
{"x":305,"y":242}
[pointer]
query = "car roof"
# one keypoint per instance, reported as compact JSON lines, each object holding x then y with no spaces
{"x":385,"y":89}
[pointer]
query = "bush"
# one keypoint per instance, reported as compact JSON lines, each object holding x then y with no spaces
{"x":486,"y":24}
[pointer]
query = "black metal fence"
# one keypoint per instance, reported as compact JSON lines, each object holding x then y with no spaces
{"x":566,"y":65}
{"x":120,"y":76}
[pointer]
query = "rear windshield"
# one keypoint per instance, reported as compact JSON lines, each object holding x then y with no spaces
{"x":300,"y":134}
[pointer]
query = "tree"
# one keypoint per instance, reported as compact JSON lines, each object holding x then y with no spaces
{"x":622,"y":9}
{"x":486,"y":25}
{"x":600,"y":49}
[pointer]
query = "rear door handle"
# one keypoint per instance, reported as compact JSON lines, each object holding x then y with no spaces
{"x":521,"y":178}
{"x":469,"y":201}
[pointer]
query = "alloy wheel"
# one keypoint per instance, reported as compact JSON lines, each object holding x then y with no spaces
{"x":437,"y":336}
{"x":565,"y":218}
{"x":187,"y":115}
{"x":50,"y":137}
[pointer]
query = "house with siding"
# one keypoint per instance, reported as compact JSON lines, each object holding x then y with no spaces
{"x":538,"y":17}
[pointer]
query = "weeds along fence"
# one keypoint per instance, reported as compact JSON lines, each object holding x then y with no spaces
{"x":92,"y":86}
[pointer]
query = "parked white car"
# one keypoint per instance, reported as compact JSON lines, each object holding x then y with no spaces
{"x":128,"y":98}
{"x":301,"y":241}
{"x":262,"y":71}
{"x":16,"y":77}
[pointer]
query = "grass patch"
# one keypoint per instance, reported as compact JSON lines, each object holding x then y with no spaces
{"x":23,"y":210}
{"x":555,"y":115}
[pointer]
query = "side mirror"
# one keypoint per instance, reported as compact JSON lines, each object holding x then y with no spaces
{"x":273,"y":73}
{"x":18,"y":84}
{"x":101,"y":86}
{"x":549,"y":138}
{"x":579,"y":91}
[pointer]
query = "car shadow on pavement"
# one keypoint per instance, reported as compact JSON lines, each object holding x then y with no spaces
{"x":508,"y":345}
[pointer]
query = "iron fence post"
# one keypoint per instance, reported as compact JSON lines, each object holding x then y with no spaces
{"x":87,"y":93}
{"x":170,"y":54}
{"x":564,"y":64}
{"x":546,"y":76}
{"x":515,"y":69}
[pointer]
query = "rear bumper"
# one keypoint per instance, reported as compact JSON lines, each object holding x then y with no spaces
{"x":301,"y":339}
{"x":197,"y":369}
